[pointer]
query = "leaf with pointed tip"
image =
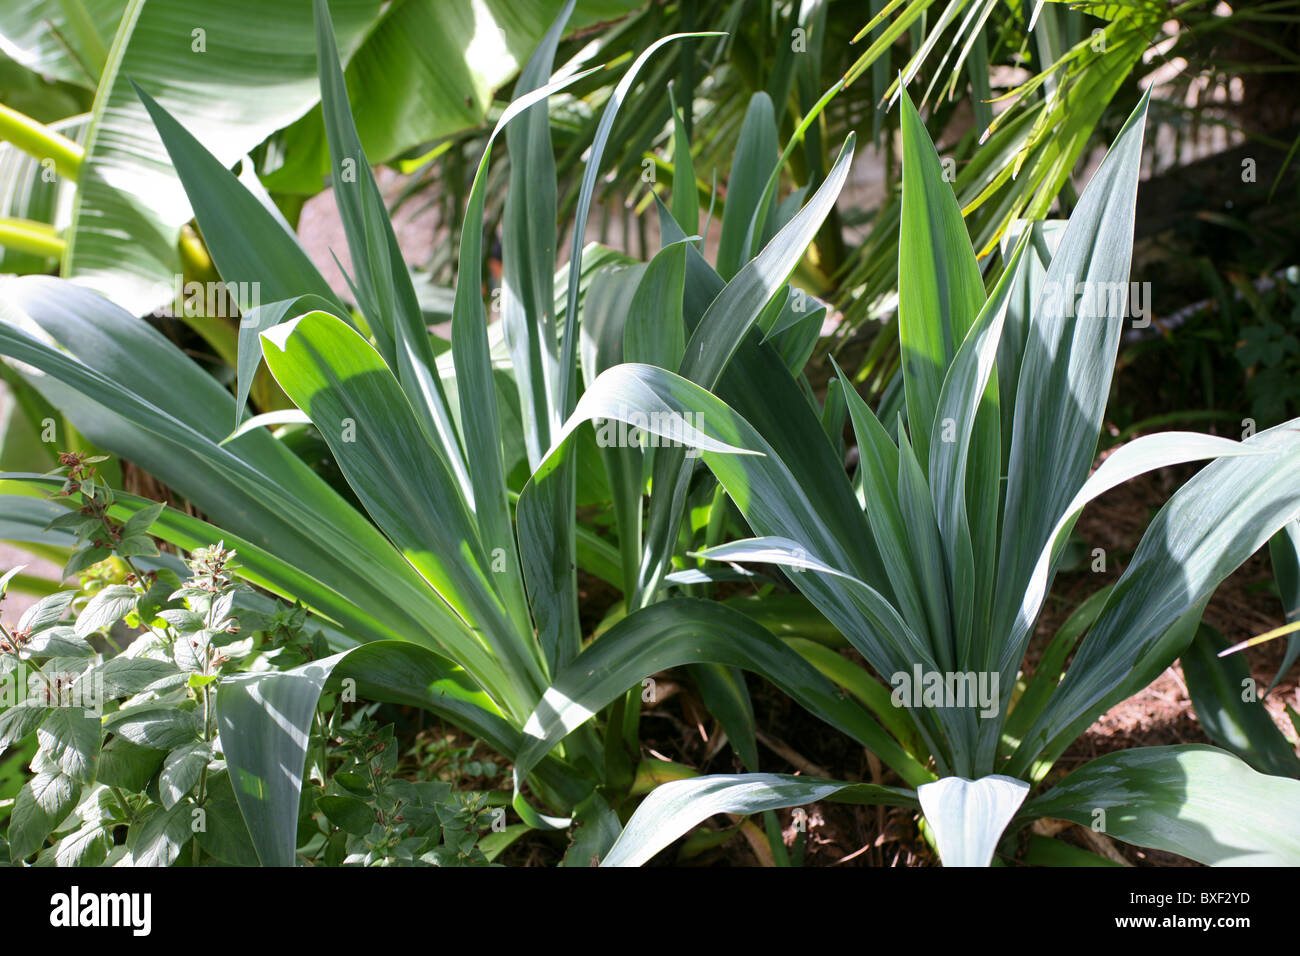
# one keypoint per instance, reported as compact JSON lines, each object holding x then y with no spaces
{"x":1065,"y":374}
{"x":130,"y":390}
{"x":475,"y":380}
{"x":40,"y":806}
{"x":939,"y":288}
{"x":246,"y":241}
{"x":72,"y":740}
{"x":686,"y":196}
{"x":1206,"y":530}
{"x":1044,"y":238}
{"x":528,"y":252}
{"x":283,"y":416}
{"x":965,"y":469}
{"x":106,"y":608}
{"x":159,"y":835}
{"x":546,"y":506}
{"x":181,"y":770}
{"x":126,"y":186}
{"x":878,"y":472}
{"x":755,"y":157}
{"x":739,"y":305}
{"x":382,"y":282}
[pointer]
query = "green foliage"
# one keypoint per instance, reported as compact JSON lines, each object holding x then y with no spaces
{"x":381,"y":819}
{"x":127,"y":753}
{"x":941,"y":603}
{"x":434,"y":545}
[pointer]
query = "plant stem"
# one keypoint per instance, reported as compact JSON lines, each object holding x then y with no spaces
{"x":40,"y":142}
{"x":27,"y":235}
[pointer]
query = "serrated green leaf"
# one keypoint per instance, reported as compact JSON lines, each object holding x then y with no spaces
{"x":18,"y":721}
{"x":125,"y":676}
{"x":106,"y":608}
{"x":46,"y":612}
{"x":158,"y":837}
{"x":127,"y":766}
{"x":158,"y":726}
{"x":40,"y":806}
{"x":72,"y":740}
{"x":142,"y":520}
{"x":180,"y":771}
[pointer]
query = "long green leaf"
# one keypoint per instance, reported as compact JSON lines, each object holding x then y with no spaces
{"x":334,"y":375}
{"x":939,"y":288}
{"x":135,"y":393}
{"x":528,"y":253}
{"x":1206,"y":530}
{"x":1230,"y":707}
{"x":672,"y":809}
{"x":755,"y":156}
{"x":1192,"y":800}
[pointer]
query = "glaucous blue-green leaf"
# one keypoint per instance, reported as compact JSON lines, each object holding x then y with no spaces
{"x":1196,"y":801}
{"x":1231,"y":708}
